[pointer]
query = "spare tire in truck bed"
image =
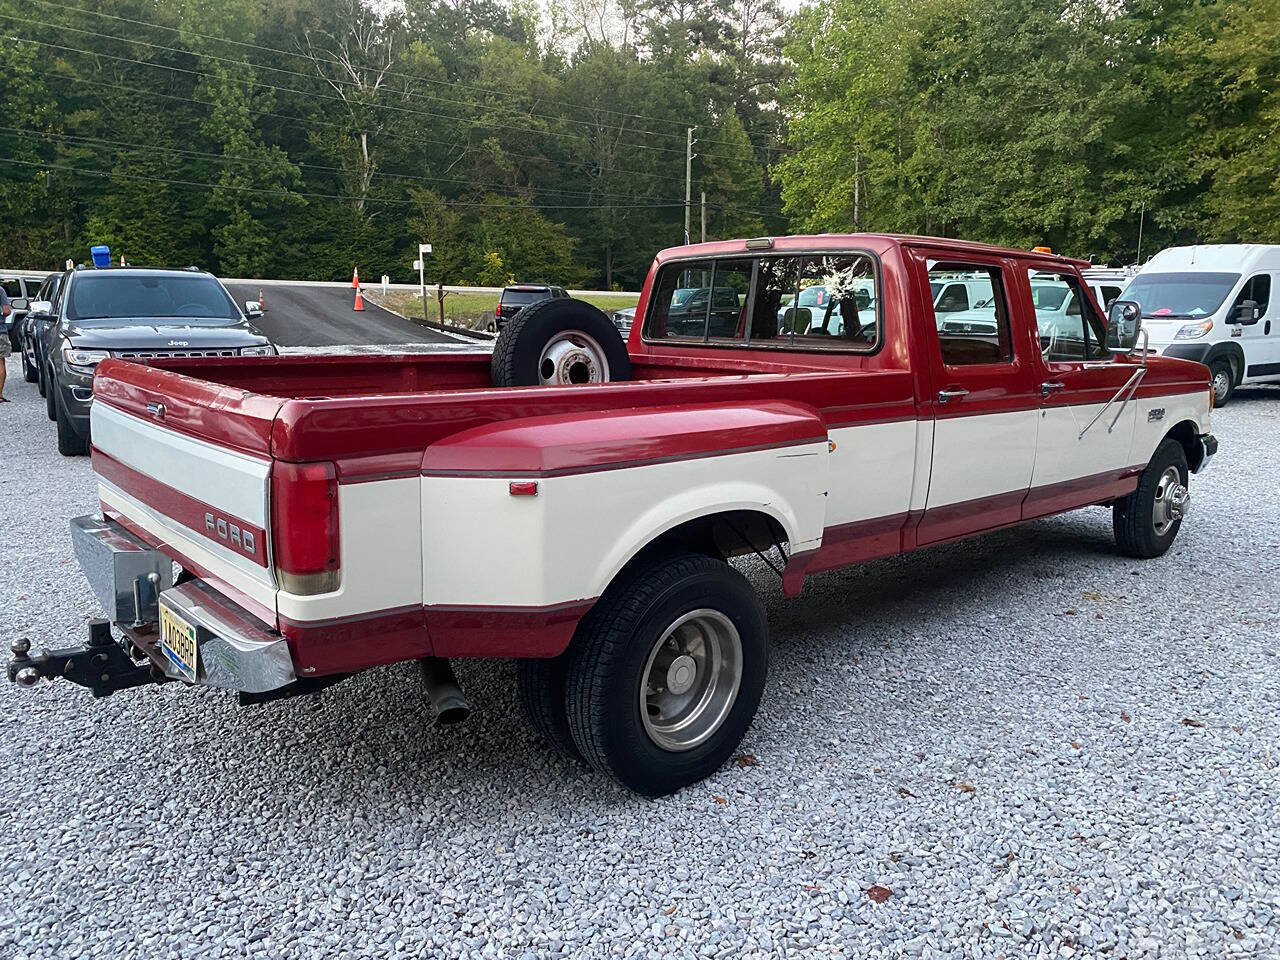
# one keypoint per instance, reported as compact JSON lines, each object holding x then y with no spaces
{"x":559,"y":342}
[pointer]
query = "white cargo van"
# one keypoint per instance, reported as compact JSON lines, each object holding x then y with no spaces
{"x":1213,"y":303}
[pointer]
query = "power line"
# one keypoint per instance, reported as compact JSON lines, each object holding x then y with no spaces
{"x":290,"y":194}
{"x":310,"y":76}
{"x":388,"y":73}
{"x":305,"y":124}
{"x":248,"y":161}
{"x":310,"y":95}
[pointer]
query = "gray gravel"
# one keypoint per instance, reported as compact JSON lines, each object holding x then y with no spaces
{"x":1040,"y":748}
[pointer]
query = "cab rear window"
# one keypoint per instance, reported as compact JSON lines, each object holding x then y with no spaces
{"x":788,"y":301}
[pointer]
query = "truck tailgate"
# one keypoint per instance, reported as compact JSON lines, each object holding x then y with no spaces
{"x":186,"y":464}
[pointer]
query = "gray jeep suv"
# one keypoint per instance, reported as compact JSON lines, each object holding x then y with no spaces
{"x":135,"y":314}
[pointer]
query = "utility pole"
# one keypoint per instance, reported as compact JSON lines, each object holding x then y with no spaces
{"x":688,"y":179}
{"x":704,"y":216}
{"x":1142,"y":216}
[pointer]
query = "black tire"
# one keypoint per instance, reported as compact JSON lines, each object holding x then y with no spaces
{"x":29,"y":373}
{"x":611,"y":650}
{"x":40,"y":377}
{"x":518,"y":350}
{"x":70,"y":443}
{"x":1133,"y":518}
{"x":541,"y":685}
{"x":50,"y":395}
{"x":1224,"y":382}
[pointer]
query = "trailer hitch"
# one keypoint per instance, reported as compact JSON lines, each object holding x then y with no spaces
{"x":102,"y":665}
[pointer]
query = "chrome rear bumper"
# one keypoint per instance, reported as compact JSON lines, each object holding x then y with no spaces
{"x":132,"y":580}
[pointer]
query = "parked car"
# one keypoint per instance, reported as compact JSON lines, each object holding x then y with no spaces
{"x":1213,"y":303}
{"x":516,"y":298}
{"x":134,"y":314}
{"x":1108,"y":283}
{"x":330,"y":514}
{"x":623,"y":319}
{"x":19,"y":290}
{"x":956,"y":293}
{"x":35,"y":329}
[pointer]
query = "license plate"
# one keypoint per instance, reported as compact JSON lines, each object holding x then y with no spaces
{"x":178,"y":641}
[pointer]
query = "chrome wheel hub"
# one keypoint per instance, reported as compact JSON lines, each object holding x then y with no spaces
{"x":572,"y":356}
{"x":690,"y":680}
{"x":1172,"y":501}
{"x":1221,"y":384}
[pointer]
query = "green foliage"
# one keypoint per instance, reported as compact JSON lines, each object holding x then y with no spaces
{"x":546,"y":141}
{"x":298,"y":139}
{"x":1036,"y":121}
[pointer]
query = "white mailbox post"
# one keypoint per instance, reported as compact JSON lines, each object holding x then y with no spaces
{"x":423,"y":250}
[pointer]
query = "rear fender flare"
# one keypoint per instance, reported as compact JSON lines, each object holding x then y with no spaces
{"x":698,"y":503}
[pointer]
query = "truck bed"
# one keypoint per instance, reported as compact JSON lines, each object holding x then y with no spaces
{"x":304,"y":408}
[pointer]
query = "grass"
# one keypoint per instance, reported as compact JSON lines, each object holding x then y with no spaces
{"x":475,"y":310}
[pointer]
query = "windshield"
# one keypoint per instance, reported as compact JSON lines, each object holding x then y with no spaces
{"x":193,"y":298}
{"x":813,"y":297}
{"x":1180,"y":294}
{"x":682,"y":294}
{"x":1048,"y":296}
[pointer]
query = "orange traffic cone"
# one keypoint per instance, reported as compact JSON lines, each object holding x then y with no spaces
{"x":359,"y":306}
{"x":355,"y":277}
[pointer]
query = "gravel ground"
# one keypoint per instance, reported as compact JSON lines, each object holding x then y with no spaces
{"x":1035,"y":747}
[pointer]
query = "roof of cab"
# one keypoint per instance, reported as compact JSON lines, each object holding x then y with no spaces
{"x":1215,"y":258}
{"x":798,"y":243}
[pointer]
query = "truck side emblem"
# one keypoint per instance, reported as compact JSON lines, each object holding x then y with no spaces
{"x":156,"y":410}
{"x":242,"y":540}
{"x":1155,"y":414}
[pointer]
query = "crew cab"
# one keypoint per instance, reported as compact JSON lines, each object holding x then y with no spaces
{"x":329,"y":514}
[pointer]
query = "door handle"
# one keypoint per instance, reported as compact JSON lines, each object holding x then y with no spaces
{"x":1049,"y":386}
{"x":951,"y":393}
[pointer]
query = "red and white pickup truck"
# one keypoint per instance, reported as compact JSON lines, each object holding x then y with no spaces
{"x":273,"y":525}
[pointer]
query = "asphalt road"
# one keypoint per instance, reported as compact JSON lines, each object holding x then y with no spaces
{"x":305,"y":316}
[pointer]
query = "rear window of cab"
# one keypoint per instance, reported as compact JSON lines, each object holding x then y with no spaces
{"x":807,"y":301}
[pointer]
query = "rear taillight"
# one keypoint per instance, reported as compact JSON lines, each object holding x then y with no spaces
{"x":304,"y":526}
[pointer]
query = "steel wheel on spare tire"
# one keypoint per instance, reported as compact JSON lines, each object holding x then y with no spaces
{"x":559,"y":342}
{"x":666,"y":672}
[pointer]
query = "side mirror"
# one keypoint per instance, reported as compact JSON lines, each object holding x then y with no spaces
{"x":1246,"y":313}
{"x":40,"y":308}
{"x":1123,"y":325}
{"x":19,"y":303}
{"x":252,"y":309}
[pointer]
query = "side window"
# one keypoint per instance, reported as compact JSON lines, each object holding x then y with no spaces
{"x":1108,"y":296}
{"x":1257,"y":289}
{"x":982,"y":337}
{"x":1070,"y":329}
{"x":953,"y":299}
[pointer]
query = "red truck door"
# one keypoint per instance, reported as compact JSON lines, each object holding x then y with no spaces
{"x":1081,"y":457}
{"x":985,"y":398}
